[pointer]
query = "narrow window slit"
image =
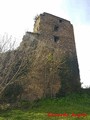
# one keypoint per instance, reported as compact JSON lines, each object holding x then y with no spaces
{"x":56,"y":28}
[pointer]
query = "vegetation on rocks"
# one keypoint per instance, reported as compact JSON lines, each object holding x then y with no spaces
{"x":36,"y":70}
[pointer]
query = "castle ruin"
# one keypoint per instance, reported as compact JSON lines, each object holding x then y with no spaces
{"x":54,"y":30}
{"x":55,"y":37}
{"x":45,"y":63}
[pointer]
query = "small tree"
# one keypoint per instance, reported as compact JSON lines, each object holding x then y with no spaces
{"x":13,"y":63}
{"x":36,"y":17}
{"x":12,"y":92}
{"x":6,"y":43}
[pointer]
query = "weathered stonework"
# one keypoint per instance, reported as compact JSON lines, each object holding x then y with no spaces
{"x":55,"y":31}
{"x":46,"y":60}
{"x":55,"y":38}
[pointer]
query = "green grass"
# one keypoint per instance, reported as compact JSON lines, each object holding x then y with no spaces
{"x":77,"y":104}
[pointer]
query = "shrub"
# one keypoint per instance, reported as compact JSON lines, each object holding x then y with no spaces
{"x":12,"y":92}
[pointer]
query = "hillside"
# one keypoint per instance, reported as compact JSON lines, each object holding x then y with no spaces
{"x":72,"y":107}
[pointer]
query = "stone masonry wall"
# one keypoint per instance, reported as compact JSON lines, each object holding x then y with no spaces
{"x":57,"y":31}
{"x":53,"y":38}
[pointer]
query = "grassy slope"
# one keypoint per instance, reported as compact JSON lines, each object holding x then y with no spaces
{"x":39,"y":111}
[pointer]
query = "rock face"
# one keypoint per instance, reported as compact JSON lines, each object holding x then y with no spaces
{"x":45,"y":64}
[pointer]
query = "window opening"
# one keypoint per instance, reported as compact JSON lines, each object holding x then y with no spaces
{"x":60,"y":21}
{"x":56,"y":38}
{"x":56,"y":28}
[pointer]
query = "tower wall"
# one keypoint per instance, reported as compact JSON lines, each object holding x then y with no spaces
{"x":57,"y":31}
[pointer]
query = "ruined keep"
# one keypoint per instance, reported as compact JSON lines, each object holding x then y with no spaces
{"x":49,"y":65}
{"x":54,"y":30}
{"x":56,"y":43}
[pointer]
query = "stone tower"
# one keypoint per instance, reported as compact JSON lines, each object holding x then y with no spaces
{"x":55,"y":65}
{"x":56,"y":30}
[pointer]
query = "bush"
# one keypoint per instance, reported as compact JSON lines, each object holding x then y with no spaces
{"x":12,"y":92}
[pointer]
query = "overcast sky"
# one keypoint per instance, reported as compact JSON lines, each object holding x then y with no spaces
{"x":17,"y":17}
